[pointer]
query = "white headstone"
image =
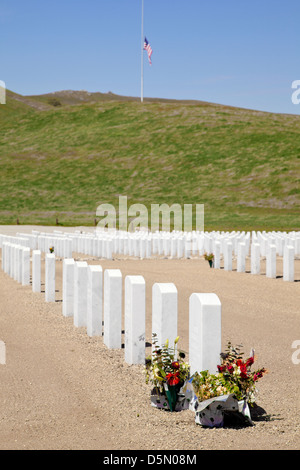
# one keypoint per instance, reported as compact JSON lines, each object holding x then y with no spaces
{"x":135,"y":319}
{"x":80,"y":293}
{"x":204,"y":332}
{"x":68,"y":287}
{"x":10,"y":260}
{"x":228,"y":256}
{"x":173,"y":247}
{"x":26,"y":266}
{"x":3,"y":247}
{"x":164,"y":312}
{"x":36,"y":271}
{"x":142,"y":248}
{"x":20,"y":262}
{"x":112,"y":308}
{"x":288,"y":263}
{"x":94,"y":301}
{"x":50,"y":277}
{"x":241,"y":257}
{"x":271,"y":261}
{"x":188,"y":247}
{"x":180,"y":246}
{"x":109,"y":249}
{"x":148,"y":247}
{"x":217,"y":253}
{"x":15,"y":262}
{"x":255,"y":258}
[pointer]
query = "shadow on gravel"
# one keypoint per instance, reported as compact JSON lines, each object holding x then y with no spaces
{"x":259,"y":414}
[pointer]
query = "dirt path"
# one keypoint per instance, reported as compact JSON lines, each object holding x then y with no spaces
{"x":60,"y":389}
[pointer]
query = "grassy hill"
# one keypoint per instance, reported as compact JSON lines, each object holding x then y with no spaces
{"x":63,"y":160}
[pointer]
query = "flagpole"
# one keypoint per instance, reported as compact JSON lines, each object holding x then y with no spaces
{"x":142,"y":54}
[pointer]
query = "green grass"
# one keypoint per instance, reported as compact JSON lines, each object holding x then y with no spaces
{"x":62,"y":162}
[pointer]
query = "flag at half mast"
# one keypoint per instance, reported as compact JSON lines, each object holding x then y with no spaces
{"x":148,"y":48}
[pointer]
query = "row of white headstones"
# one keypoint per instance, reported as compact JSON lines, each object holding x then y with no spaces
{"x":224,"y":246}
{"x":94,"y":299}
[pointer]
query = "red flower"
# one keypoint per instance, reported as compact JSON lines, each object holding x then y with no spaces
{"x":173,"y":378}
{"x":249,"y":361}
{"x":259,"y":374}
{"x":243,"y":369}
{"x":230,"y":368}
{"x":221,"y":368}
{"x":175,"y":365}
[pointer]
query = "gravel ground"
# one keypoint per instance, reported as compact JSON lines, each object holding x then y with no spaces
{"x":61,"y":389}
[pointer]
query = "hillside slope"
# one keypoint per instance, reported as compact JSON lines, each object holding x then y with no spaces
{"x":63,"y":161}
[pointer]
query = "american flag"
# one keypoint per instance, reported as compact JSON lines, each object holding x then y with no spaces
{"x":148,"y":48}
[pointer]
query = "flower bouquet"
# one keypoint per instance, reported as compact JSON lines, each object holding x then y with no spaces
{"x":210,"y":258}
{"x":225,"y":397}
{"x":168,"y":372}
{"x":51,"y":249}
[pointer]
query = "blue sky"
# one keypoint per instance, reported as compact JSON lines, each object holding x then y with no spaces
{"x":231,"y":52}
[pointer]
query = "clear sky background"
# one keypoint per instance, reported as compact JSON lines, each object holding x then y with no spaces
{"x":233,"y":52}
